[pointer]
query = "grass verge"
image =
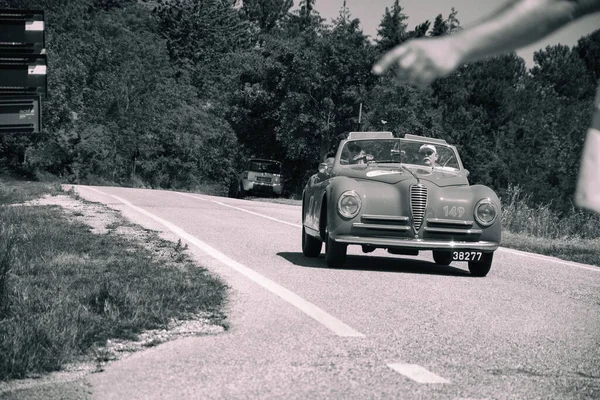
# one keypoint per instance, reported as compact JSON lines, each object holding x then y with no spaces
{"x":65,"y":290}
{"x":586,"y":251}
{"x":573,"y":235}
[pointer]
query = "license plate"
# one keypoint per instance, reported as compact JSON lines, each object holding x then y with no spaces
{"x":466,"y":256}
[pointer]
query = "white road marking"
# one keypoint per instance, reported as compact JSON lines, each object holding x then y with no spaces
{"x":242,"y":209}
{"x":417,"y":373}
{"x":548,"y":258}
{"x":321,"y":316}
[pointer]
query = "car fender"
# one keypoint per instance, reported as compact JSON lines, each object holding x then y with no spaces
{"x":312,"y":201}
{"x":334,"y":190}
{"x":458,"y":202}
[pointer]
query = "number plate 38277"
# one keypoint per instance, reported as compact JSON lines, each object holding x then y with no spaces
{"x":466,"y":255}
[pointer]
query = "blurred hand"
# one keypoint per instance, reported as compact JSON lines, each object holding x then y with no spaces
{"x":421,"y":61}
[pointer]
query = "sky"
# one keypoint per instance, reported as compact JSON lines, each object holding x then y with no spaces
{"x":370,"y":13}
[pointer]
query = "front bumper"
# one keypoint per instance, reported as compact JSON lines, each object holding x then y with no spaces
{"x":259,"y":187}
{"x":416,"y":244}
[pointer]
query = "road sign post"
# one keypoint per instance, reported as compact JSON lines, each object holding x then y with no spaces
{"x":23,"y":82}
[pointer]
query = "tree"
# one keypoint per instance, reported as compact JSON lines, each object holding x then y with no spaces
{"x":473,"y":103}
{"x":588,"y":49}
{"x":562,"y":69}
{"x":404,"y":108}
{"x":443,"y":26}
{"x":266,"y":13}
{"x":440,"y":27}
{"x":344,"y":16}
{"x":296,"y":95}
{"x":304,"y":19}
{"x":107,"y":118}
{"x":392,"y":28}
{"x":199,"y":32}
{"x":452,"y":22}
{"x":420,"y":30}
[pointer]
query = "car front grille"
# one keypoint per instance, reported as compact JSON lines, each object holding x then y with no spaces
{"x":263,"y":179}
{"x":418,"y":204}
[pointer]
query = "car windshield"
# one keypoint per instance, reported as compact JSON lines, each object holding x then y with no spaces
{"x":396,"y":151}
{"x":272,"y":167}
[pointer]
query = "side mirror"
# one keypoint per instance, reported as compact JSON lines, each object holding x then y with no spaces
{"x":467,"y":173}
{"x":326,"y":166}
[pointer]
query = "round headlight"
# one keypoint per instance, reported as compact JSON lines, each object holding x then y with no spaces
{"x":349,"y":204}
{"x":485,"y":212}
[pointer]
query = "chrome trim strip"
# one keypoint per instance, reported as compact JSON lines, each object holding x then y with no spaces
{"x":442,"y":221}
{"x":454,"y":231}
{"x":419,"y":244}
{"x":390,"y":218}
{"x":381,"y":227}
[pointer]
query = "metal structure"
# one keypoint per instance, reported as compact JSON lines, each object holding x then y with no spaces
{"x":23,"y":64}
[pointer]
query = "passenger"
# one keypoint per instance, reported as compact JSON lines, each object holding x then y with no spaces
{"x":427,"y":155}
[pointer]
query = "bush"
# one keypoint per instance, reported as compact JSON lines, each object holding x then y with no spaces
{"x":519,"y":216}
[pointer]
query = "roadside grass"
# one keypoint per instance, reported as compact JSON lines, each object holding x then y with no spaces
{"x":586,"y":251}
{"x":64,"y":290}
{"x":15,"y":191}
{"x":573,"y":236}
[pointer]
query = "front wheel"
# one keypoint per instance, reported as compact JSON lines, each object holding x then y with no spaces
{"x":311,"y":247}
{"x":335,"y":253}
{"x":482,"y":267}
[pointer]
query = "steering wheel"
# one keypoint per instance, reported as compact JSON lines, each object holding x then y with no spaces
{"x":363,"y":158}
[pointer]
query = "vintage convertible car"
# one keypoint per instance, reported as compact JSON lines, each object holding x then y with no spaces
{"x":401,"y":194}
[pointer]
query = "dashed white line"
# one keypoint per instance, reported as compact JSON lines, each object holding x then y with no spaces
{"x":417,"y":373}
{"x":319,"y":315}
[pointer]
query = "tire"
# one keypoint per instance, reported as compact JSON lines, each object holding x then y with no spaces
{"x":442,"y":257}
{"x":482,"y":267}
{"x":311,"y":247}
{"x":335,"y":253}
{"x":233,"y":190}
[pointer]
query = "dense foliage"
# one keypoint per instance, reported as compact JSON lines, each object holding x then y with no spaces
{"x":174,"y":94}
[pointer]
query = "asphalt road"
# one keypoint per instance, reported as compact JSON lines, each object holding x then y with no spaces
{"x":382,"y":327}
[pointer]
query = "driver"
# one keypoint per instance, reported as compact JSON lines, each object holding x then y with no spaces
{"x":427,"y":155}
{"x":357,"y":154}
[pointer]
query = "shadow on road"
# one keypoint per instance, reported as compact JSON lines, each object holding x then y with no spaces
{"x":377,"y":264}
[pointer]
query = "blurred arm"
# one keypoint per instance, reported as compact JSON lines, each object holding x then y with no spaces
{"x":518,"y":23}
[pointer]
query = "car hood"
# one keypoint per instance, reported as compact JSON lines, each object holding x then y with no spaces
{"x":437,"y":176}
